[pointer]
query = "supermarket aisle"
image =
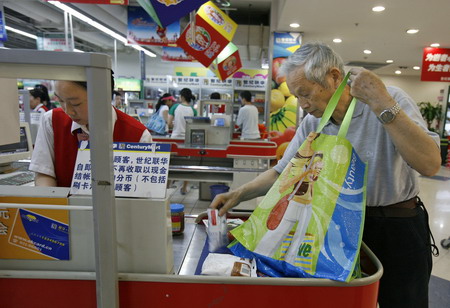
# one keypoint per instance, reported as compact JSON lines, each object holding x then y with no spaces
{"x":435,"y":193}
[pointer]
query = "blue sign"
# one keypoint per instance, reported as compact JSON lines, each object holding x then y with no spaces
{"x":3,"y":36}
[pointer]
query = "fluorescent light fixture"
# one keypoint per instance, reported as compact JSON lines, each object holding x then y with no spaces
{"x":367,"y":51}
{"x":378,"y":8}
{"x":398,"y":72}
{"x":98,"y":26}
{"x":412,"y":31}
{"x":337,"y":40}
{"x":146,"y":51}
{"x":416,"y":68}
{"x":294,"y":25}
{"x":21,"y":32}
{"x":77,"y":50}
{"x":435,"y":45}
{"x":389,"y":61}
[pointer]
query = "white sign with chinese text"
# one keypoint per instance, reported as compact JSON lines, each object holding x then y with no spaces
{"x":140,"y":170}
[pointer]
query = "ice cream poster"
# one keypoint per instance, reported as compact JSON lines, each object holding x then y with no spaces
{"x":39,"y":234}
{"x":143,"y":30}
{"x":140,"y":170}
{"x":218,"y":20}
{"x":227,"y":63}
{"x":165,"y":12}
{"x":205,"y":44}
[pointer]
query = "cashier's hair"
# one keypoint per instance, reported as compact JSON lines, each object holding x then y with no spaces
{"x":187,"y":94}
{"x":317,"y":60}
{"x":38,"y":93}
{"x":84,"y":84}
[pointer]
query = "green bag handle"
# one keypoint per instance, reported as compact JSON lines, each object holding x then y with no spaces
{"x":332,"y":106}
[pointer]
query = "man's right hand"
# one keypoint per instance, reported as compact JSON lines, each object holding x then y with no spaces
{"x":224,"y":202}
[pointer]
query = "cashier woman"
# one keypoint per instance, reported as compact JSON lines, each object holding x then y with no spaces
{"x":61,"y":129}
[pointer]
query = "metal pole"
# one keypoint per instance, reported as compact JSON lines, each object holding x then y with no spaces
{"x":66,"y":30}
{"x":273,"y":21}
{"x":71,"y":39}
{"x":103,"y":198}
{"x":115,"y":56}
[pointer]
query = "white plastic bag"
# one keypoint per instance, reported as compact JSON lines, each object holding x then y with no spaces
{"x":228,"y":265}
{"x":217,"y":230}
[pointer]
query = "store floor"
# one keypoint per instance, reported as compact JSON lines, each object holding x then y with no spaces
{"x":434,"y":192}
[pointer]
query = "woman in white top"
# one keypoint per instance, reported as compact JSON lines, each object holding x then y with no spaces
{"x":37,"y":101}
{"x":176,"y":119}
{"x":178,"y":111}
{"x":162,"y":107}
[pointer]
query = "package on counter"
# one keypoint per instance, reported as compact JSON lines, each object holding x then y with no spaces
{"x":217,"y":230}
{"x":217,"y":264}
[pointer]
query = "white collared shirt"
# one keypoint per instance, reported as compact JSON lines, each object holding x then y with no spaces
{"x":39,"y":109}
{"x":43,"y":158}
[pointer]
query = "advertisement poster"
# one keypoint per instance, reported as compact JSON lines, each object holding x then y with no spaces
{"x":3,"y":35}
{"x":140,"y":170}
{"x":165,"y":12}
{"x":34,"y":233}
{"x":191,"y":71}
{"x":176,"y":54}
{"x":52,"y":41}
{"x":143,"y":30}
{"x":120,"y":2}
{"x":218,"y":20}
{"x":206,"y":43}
{"x":436,"y":64}
{"x":227,"y":62}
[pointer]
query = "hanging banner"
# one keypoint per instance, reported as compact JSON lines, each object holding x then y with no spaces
{"x":176,"y":54}
{"x":140,"y":170}
{"x":435,"y":64}
{"x":227,"y":62}
{"x":143,"y":30}
{"x":3,"y":35}
{"x":120,"y":2}
{"x":55,"y":41}
{"x":165,"y":12}
{"x":205,"y":45}
{"x":35,"y":233}
{"x":283,"y":105}
{"x":218,"y":20}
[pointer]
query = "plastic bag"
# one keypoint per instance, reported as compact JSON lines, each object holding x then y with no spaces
{"x":217,"y":230}
{"x":156,"y":123}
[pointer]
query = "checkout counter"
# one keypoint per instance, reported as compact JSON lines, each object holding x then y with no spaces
{"x":209,"y":155}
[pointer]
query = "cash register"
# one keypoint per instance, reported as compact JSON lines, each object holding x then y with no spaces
{"x":12,"y":170}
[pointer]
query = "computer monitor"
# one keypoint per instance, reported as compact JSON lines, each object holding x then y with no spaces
{"x":10,"y":153}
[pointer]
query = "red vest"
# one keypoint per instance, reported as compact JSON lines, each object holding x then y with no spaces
{"x":126,"y":129}
{"x":44,"y":107}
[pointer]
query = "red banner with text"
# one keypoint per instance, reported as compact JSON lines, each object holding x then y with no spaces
{"x":436,"y":64}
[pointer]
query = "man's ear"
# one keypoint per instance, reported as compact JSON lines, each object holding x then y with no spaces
{"x":336,"y":76}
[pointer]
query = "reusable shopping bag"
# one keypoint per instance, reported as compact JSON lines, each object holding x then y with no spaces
{"x":310,"y":223}
{"x":156,"y":123}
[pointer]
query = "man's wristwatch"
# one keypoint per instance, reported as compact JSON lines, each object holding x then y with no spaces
{"x":388,"y":115}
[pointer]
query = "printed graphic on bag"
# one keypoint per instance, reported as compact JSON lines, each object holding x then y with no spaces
{"x":312,"y":216}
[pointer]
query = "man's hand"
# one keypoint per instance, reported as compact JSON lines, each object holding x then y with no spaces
{"x":368,"y":88}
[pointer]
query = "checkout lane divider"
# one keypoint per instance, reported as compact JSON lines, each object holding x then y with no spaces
{"x":47,"y":206}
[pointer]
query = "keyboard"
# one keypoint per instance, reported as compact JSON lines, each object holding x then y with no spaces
{"x":18,"y":179}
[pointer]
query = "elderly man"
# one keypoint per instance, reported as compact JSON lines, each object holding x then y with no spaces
{"x":389,"y":133}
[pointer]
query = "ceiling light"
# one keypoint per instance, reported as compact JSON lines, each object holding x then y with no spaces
{"x":77,"y":50}
{"x":98,"y":26}
{"x":294,"y":25}
{"x":416,"y":68}
{"x":21,"y":32}
{"x":367,"y":51}
{"x":398,"y":72}
{"x":337,"y":40}
{"x":389,"y":61}
{"x":435,"y":45}
{"x":412,"y":31}
{"x":378,"y":8}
